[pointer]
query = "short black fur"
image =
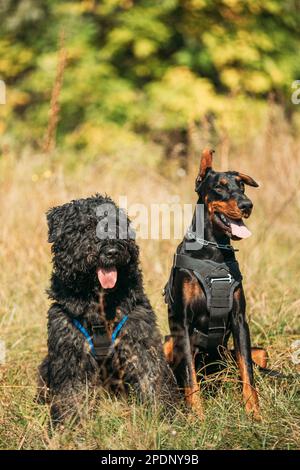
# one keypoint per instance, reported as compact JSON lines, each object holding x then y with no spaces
{"x":223,"y":199}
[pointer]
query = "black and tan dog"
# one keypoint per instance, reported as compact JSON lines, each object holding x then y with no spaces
{"x":205,"y":296}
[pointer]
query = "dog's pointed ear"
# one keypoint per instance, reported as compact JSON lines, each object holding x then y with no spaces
{"x":205,"y":164}
{"x":248,"y":180}
{"x":54,"y":223}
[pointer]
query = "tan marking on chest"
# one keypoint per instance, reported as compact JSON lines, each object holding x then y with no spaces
{"x":191,"y":290}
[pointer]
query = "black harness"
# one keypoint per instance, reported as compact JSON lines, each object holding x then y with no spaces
{"x":101,"y":345}
{"x":218,"y":280}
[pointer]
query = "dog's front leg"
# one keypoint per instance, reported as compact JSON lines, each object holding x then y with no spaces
{"x":242,"y":345}
{"x":183,"y":363}
{"x":70,"y":366}
{"x":67,"y":404}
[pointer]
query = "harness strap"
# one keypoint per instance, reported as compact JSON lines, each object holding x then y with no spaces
{"x":85,"y":333}
{"x":100,"y":345}
{"x":219,"y":281}
{"x":118,"y":329}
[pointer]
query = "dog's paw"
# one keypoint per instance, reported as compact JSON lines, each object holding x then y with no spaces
{"x":193,"y":400}
{"x":252,"y":407}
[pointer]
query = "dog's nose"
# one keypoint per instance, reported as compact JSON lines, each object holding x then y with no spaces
{"x":111,"y":252}
{"x":245,"y":205}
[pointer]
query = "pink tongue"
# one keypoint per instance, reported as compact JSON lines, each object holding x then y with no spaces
{"x":239,"y":229}
{"x":107,"y":277}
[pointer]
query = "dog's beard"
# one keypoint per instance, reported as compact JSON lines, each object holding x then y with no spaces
{"x":107,"y":277}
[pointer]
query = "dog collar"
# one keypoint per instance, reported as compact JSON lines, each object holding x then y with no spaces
{"x":191,"y":236}
{"x":100,"y":346}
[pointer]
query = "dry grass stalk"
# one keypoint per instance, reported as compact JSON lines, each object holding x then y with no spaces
{"x":50,"y":139}
{"x":270,"y":263}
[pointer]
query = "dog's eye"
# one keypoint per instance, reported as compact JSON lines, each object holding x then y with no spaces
{"x":219,"y":189}
{"x":242,"y":186}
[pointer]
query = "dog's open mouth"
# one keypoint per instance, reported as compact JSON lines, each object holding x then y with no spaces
{"x":107,"y":277}
{"x":235,"y":228}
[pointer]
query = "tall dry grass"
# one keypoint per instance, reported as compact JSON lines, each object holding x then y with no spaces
{"x":270,"y":262}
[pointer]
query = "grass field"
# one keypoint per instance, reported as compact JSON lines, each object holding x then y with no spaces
{"x":270,"y":262}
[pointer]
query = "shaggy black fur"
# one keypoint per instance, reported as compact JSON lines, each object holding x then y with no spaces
{"x":137,"y":362}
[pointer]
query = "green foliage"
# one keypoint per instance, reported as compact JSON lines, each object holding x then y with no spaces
{"x":146,"y":65}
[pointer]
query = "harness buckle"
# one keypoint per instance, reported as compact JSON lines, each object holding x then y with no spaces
{"x":99,"y":330}
{"x":228,"y":278}
{"x":102,"y":343}
{"x":217,"y":328}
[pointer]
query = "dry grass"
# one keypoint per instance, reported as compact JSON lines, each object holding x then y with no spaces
{"x":270,"y":262}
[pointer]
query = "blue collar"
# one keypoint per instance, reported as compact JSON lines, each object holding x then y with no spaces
{"x":114,"y":335}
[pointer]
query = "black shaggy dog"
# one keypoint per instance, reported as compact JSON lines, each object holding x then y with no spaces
{"x":101,"y":327}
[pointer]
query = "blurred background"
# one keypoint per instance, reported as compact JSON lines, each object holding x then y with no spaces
{"x":145,"y":69}
{"x":120,"y":97}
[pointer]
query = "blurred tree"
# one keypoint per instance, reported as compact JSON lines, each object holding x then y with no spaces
{"x":144,"y":64}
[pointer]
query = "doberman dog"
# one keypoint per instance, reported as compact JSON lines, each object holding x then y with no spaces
{"x":205,"y":297}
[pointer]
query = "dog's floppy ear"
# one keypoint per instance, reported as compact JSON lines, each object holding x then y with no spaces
{"x":248,"y":180}
{"x":54,"y":220}
{"x":205,"y":163}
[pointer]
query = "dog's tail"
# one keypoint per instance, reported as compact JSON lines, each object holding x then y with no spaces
{"x":275,"y":373}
